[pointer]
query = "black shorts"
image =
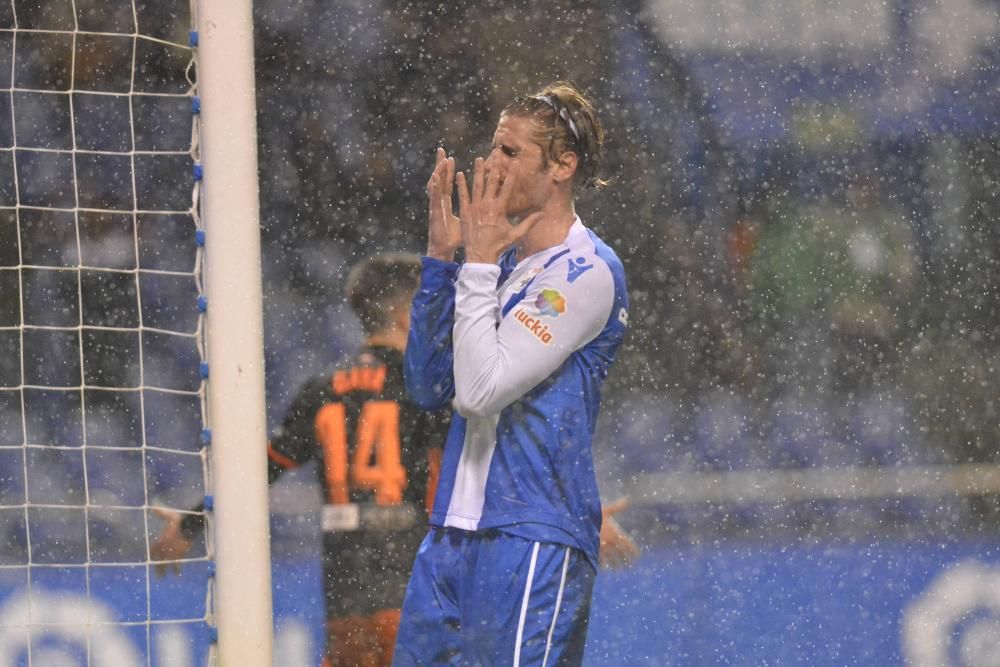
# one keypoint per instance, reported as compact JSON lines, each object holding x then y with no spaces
{"x":366,"y":571}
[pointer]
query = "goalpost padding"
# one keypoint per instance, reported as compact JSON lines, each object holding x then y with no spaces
{"x":104,"y":393}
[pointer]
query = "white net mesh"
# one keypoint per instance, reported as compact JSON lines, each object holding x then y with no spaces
{"x":102,"y":410}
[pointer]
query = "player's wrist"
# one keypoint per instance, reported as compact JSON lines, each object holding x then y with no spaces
{"x":477,"y":256}
{"x":193,"y":524}
{"x":443,"y":254}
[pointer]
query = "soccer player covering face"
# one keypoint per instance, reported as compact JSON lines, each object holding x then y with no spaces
{"x":378,"y":455}
{"x":518,"y":339}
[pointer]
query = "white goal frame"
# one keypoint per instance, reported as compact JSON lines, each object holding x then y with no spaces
{"x":236,"y":404}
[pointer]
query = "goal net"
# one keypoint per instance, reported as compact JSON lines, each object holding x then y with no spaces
{"x":103,"y":373}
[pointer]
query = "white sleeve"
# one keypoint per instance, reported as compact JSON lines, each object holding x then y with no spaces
{"x":496,"y":365}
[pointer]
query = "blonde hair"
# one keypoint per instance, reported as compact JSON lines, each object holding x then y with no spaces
{"x":565,"y":121}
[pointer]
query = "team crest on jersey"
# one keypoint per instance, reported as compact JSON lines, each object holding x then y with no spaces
{"x":551,"y":303}
{"x":528,"y":276}
{"x":623,"y":316}
{"x":576,"y":268}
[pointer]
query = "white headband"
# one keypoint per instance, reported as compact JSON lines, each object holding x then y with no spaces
{"x":561,"y":111}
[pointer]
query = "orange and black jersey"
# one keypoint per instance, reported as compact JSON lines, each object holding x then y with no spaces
{"x":374,"y":446}
{"x":378,"y":455}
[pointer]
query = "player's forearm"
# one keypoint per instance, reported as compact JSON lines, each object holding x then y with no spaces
{"x":496,"y":365}
{"x":478,"y":362}
{"x":428,"y":375}
{"x":427,"y":364}
{"x":488,"y":375}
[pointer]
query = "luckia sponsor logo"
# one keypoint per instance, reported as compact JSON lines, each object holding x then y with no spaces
{"x":534,"y":325}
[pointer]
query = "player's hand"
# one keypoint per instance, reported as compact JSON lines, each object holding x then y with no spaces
{"x":486,"y":230}
{"x":170,"y":544}
{"x":617,"y":548}
{"x":444,"y":233}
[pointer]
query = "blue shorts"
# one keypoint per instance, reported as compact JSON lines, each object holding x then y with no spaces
{"x":494,"y":599}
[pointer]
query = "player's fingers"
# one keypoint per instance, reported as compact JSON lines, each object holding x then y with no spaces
{"x":440,"y":156}
{"x":618,"y":554}
{"x":463,"y":196}
{"x":627,"y":547}
{"x":631,"y":548}
{"x":449,"y":172}
{"x":449,"y":185}
{"x":508,"y":183}
{"x":492,"y":187}
{"x":438,"y":160}
{"x":445,"y":210}
{"x":616,"y":506}
{"x":167,"y":515}
{"x":609,"y":555}
{"x":436,"y":192}
{"x":492,"y":174}
{"x":611,"y":558}
{"x":432,"y":189}
{"x":478,"y":179}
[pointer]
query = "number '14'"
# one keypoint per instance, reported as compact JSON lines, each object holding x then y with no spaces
{"x":376,"y":464}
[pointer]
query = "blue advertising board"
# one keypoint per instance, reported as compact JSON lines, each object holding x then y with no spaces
{"x":821,"y":604}
{"x":883,"y":602}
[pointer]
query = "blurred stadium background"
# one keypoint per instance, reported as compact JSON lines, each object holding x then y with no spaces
{"x":805,"y":195}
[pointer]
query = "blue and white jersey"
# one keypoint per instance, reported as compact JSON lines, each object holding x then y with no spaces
{"x":521,"y":353}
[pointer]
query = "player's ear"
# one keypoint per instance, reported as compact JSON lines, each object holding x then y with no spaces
{"x":565,"y":167}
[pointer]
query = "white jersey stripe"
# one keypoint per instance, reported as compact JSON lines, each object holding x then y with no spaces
{"x":555,"y":614}
{"x":469,"y":494}
{"x":524,"y":605}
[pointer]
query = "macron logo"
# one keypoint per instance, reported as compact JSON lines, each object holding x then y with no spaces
{"x":534,"y":325}
{"x":576,"y":268}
